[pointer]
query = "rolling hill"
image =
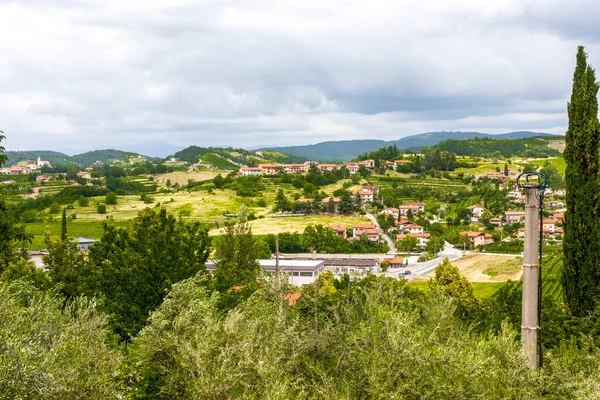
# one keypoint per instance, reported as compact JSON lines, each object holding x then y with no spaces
{"x":83,"y":159}
{"x":229,"y":158}
{"x":346,"y":150}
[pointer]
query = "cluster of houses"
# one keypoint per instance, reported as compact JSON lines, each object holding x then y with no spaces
{"x":352,"y":167}
{"x":25,"y":169}
{"x":366,"y":194}
{"x":273,"y":169}
{"x":368,"y":230}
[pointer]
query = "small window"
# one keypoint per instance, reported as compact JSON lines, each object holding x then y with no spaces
{"x":306,"y":274}
{"x":296,"y":274}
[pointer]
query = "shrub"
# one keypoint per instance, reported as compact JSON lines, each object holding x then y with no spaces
{"x":101,"y":208}
{"x":111,"y":198}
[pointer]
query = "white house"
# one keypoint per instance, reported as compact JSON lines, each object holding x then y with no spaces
{"x":248,"y":171}
{"x":397,"y":163}
{"x":557,"y":203}
{"x":415,"y":208}
{"x":549,"y":225}
{"x":359,"y":229}
{"x":515,"y":194}
{"x":352,"y":168}
{"x":478,"y":238}
{"x":476,"y":211}
{"x":84,"y":244}
{"x":514,"y":216}
{"x":496,"y":221}
{"x":391,"y":211}
{"x":423,"y":238}
{"x":413,"y":228}
{"x":365,"y":195}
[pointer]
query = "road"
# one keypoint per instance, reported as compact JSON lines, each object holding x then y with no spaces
{"x":385,"y":236}
{"x":422,"y":268}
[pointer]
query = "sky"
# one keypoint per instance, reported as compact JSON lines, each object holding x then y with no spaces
{"x":86,"y":74}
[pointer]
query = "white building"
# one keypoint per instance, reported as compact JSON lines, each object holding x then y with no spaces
{"x":514,"y":216}
{"x":248,"y":171}
{"x":476,"y":211}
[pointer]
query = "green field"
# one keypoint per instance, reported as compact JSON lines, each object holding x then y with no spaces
{"x":89,"y":229}
{"x":559,"y":164}
{"x":482,"y":290}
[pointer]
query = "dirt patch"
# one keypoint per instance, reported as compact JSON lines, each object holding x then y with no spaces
{"x":36,"y":193}
{"x":557,"y":145}
{"x":182,"y":178}
{"x":472,"y":266}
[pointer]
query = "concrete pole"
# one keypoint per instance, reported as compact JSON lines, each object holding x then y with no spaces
{"x":529,"y":316}
{"x":277,"y":255}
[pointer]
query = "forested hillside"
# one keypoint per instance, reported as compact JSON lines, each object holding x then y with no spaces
{"x":83,"y":159}
{"x":484,"y":147}
{"x":231,"y":159}
{"x":54,"y":157}
{"x":90,"y":157}
{"x":347,"y":150}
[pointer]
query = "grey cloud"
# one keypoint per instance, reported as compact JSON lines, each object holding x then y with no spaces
{"x":102,"y":72}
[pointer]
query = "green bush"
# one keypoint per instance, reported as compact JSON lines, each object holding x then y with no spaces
{"x":102,"y":208}
{"x":111,"y":198}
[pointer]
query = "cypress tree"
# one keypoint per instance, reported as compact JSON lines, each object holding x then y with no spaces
{"x":63,"y":232}
{"x":581,"y":275}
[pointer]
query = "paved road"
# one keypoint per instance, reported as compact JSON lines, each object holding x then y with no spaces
{"x":385,"y":236}
{"x":422,"y":268}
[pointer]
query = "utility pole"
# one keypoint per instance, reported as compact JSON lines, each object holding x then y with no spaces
{"x":532,"y":266}
{"x":277,"y":255}
{"x":529,"y":315}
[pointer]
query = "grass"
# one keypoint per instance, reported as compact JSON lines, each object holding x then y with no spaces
{"x":508,"y":267}
{"x":268,"y":225}
{"x":90,"y":229}
{"x":551,"y":275}
{"x":559,"y":163}
{"x":481,"y":290}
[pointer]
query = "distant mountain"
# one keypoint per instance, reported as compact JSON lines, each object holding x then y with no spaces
{"x":346,"y":150}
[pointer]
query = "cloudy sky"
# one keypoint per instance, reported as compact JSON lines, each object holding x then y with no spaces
{"x":82,"y":74}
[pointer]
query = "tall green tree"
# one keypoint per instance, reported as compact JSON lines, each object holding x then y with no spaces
{"x":236,"y":268}
{"x":63,"y":231}
{"x":281,"y":202}
{"x":408,"y":243}
{"x":136,"y":266}
{"x":581,"y":272}
{"x":11,"y":236}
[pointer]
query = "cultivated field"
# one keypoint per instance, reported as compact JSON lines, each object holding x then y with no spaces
{"x":182,"y":178}
{"x":489,"y":268}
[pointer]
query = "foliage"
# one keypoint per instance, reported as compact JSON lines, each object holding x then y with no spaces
{"x":408,"y":243}
{"x":134,"y":267}
{"x":236,"y":267}
{"x":449,"y":279}
{"x":11,"y":236}
{"x":281,"y":202}
{"x":51,"y":350}
{"x":104,"y":156}
{"x":439,"y":160}
{"x":485,"y":147}
{"x":581,"y":273}
{"x":435,"y":244}
{"x":111,"y":198}
{"x":249,"y":186}
{"x":375,"y":338}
